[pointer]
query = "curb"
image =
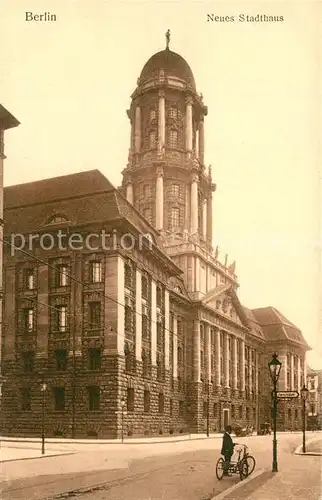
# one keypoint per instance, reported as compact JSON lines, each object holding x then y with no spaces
{"x":35,"y":458}
{"x":226,"y":493}
{"x":299,"y":449}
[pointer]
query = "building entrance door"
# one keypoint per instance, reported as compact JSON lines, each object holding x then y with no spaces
{"x":225,"y":417}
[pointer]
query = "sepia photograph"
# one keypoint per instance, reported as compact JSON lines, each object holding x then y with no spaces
{"x":160,"y":250}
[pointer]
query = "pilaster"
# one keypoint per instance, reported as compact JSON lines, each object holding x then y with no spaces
{"x":218,"y":360}
{"x":234,"y":360}
{"x":175,"y":347}
{"x":189,"y":123}
{"x":226,"y":359}
{"x":137,"y":133}
{"x":166,"y":330}
{"x":159,"y":199}
{"x":153,"y":324}
{"x":138,"y":319}
{"x":208,"y":352}
{"x":196,"y":351}
{"x":161,"y":123}
{"x":242,"y":366}
{"x":194,"y":203}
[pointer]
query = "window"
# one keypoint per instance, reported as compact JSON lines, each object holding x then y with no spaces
{"x":61,"y":275}
{"x":93,"y":398}
{"x":25,"y":397}
{"x":146,"y":190}
{"x":247,"y":414}
{"x":289,"y":414}
{"x":145,"y":287}
{"x":94,"y":358}
{"x":96,"y":271}
{"x":173,"y":112}
{"x":175,"y":217}
{"x":28,"y":361}
{"x":296,"y":414}
{"x":130,"y":399}
{"x":29,"y":279}
{"x":232,"y":411}
{"x":215,"y":409}
{"x":61,"y":318}
{"x":145,"y":364}
{"x":161,"y":403}
{"x":152,"y":139}
{"x":28,"y":319}
{"x":205,"y":409}
{"x":94,"y":315}
{"x":152,"y":114}
{"x":61,"y":359}
{"x":240,"y":412}
{"x":173,"y":138}
{"x":181,"y":408}
{"x":59,"y":398}
{"x":145,"y":323}
{"x":171,"y":407}
{"x":146,"y":401}
{"x":129,"y":358}
{"x":175,"y":190}
{"x":129,"y":315}
{"x":128,"y":275}
{"x":179,"y":355}
{"x":159,"y":297}
{"x":147,"y":214}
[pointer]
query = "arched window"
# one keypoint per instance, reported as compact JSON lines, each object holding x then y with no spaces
{"x":153,"y":114}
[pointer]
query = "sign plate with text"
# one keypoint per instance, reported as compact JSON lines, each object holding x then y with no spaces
{"x":287,"y":394}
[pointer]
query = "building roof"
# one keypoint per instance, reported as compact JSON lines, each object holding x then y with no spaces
{"x":277,"y":327}
{"x":7,"y":120}
{"x":77,"y":201}
{"x":46,"y":190}
{"x":172,"y":64}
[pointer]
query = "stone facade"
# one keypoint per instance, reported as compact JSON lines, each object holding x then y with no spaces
{"x":150,"y":339}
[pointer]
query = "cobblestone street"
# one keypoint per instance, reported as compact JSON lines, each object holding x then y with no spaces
{"x":171,"y":471}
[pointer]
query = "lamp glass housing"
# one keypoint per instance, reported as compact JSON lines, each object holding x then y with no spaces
{"x":304,"y":393}
{"x":275,"y":368}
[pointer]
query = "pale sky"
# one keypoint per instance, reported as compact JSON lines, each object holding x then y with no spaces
{"x":69,"y":83}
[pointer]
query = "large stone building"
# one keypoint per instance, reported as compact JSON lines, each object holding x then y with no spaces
{"x":314,"y":401}
{"x":158,"y":326}
{"x":7,"y":121}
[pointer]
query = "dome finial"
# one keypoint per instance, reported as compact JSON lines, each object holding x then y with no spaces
{"x":167,"y":37}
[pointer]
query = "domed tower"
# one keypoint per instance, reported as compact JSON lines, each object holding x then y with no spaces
{"x":166,"y":179}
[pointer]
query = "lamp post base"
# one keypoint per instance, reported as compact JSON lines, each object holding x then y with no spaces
{"x":274,"y":465}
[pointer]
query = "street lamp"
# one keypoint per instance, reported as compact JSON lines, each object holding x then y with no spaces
{"x":274,"y":370}
{"x":43,"y":390}
{"x":304,"y":396}
{"x":122,"y":408}
{"x":208,"y":410}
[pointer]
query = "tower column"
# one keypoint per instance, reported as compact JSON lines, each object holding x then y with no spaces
{"x":197,"y":144}
{"x":196,"y":351}
{"x":204,"y":218}
{"x":194,"y":203}
{"x":250,"y":373}
{"x":129,"y":192}
{"x":209,"y":218}
{"x":159,"y":199}
{"x":201,"y":141}
{"x":161,"y":131}
{"x":189,"y":123}
{"x":137,"y":130}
